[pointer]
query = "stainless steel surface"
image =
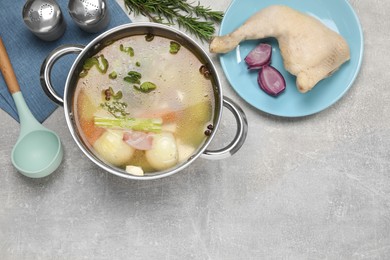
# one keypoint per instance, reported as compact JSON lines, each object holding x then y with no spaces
{"x":47,"y":66}
{"x":239,"y":138}
{"x":44,"y":18}
{"x":125,"y":31}
{"x":316,"y":187}
{"x":91,"y":15}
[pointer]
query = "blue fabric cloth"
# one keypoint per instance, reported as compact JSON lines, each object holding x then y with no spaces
{"x":27,"y":52}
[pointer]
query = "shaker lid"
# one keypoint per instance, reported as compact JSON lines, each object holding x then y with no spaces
{"x":41,"y":16}
{"x":87,"y":12}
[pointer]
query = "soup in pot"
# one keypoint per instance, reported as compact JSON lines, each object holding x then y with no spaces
{"x":144,"y":104}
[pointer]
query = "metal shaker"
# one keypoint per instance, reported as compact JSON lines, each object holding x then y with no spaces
{"x":44,"y":18}
{"x":90,"y":15}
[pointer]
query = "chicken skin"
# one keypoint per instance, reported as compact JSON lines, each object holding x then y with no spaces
{"x":310,"y":50}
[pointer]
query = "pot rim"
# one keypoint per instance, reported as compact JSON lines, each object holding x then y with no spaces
{"x":218,"y":96}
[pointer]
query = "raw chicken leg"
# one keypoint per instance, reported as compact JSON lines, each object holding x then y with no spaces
{"x":310,"y":50}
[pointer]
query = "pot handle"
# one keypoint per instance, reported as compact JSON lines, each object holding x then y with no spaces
{"x":238,"y":141}
{"x":47,"y":66}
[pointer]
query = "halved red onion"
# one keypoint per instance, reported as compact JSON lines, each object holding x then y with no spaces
{"x":259,"y":56}
{"x":271,"y":81}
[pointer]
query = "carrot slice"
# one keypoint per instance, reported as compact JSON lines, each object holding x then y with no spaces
{"x":166,"y":115}
{"x":91,"y":132}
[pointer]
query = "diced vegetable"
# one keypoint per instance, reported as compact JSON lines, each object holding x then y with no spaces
{"x":109,"y":93}
{"x":91,"y":132}
{"x":135,"y":170}
{"x":128,"y":50}
{"x":90,"y":62}
{"x":136,"y":124}
{"x":133,"y":77}
{"x":174,"y":47}
{"x":271,"y":81}
{"x":83,"y":73}
{"x":146,"y":87}
{"x":112,"y":75}
{"x":259,"y":56}
{"x":100,"y":62}
{"x":102,"y":65}
{"x":113,"y":149}
{"x":87,"y":105}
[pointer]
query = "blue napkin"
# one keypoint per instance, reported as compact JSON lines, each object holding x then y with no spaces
{"x":27,"y":52}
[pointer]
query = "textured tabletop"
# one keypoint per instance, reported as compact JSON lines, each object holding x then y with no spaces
{"x":316,"y":187}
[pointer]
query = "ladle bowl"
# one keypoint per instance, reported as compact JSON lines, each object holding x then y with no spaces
{"x":38,"y":151}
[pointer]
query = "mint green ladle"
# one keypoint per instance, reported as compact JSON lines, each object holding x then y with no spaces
{"x":38,"y":151}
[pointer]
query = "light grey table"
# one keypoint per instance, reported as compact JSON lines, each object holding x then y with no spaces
{"x":316,"y":187}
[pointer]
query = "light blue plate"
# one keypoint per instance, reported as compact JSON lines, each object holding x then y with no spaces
{"x":336,"y":14}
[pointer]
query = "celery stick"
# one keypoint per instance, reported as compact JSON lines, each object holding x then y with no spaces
{"x":137,"y":124}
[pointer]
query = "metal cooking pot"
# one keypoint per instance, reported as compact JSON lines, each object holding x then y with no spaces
{"x":138,"y":29}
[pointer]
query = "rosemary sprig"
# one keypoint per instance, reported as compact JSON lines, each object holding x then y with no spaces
{"x":204,"y":30}
{"x":197,"y":19}
{"x":207,"y":13}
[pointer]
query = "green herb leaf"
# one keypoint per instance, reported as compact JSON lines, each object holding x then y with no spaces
{"x":174,"y":47}
{"x":90,"y":62}
{"x":133,"y":77}
{"x":128,"y":50}
{"x":118,"y":95}
{"x":102,"y":65}
{"x":112,"y":75}
{"x":108,"y":93}
{"x":100,"y":62}
{"x":131,"y":80}
{"x":146,"y":87}
{"x":83,"y":73}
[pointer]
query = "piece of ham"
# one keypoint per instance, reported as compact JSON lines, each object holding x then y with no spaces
{"x":138,"y":140}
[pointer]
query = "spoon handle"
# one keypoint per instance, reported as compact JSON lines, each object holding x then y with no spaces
{"x":7,"y":70}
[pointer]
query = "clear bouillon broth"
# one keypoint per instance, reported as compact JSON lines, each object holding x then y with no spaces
{"x":144,"y":103}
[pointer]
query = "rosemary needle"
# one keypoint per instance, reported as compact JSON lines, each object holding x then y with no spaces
{"x":197,"y":19}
